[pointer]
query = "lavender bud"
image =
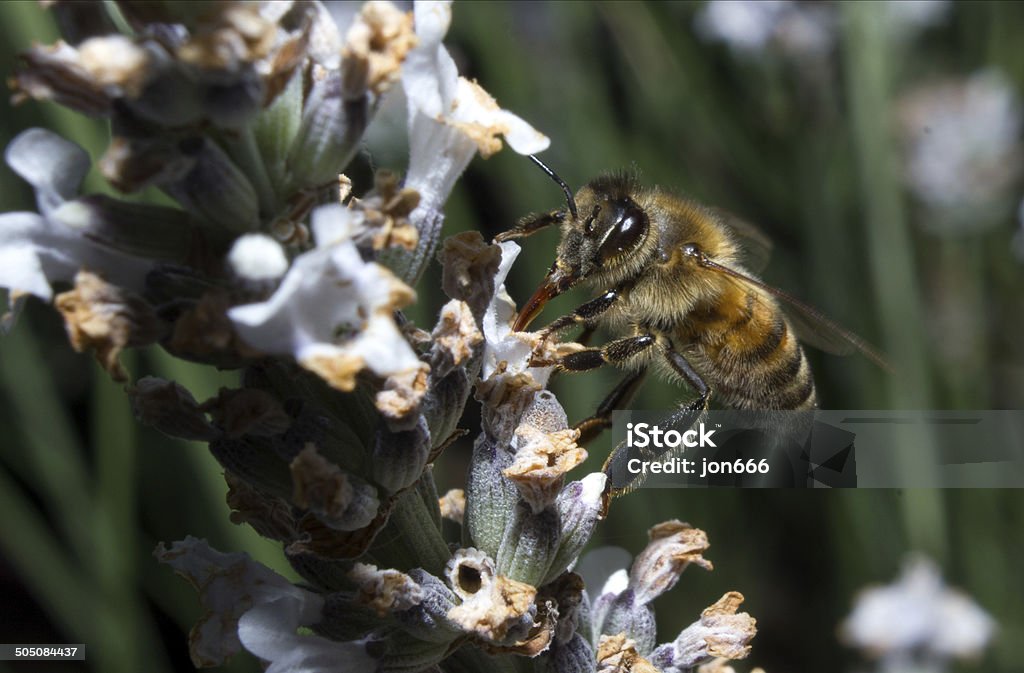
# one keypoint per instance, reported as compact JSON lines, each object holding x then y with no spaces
{"x":399,"y":457}
{"x":490,"y":496}
{"x":626,"y":614}
{"x":579,"y":508}
{"x":428,"y":620}
{"x":575,"y":656}
{"x":330,"y":132}
{"x":216,"y":189}
{"x":529,"y":544}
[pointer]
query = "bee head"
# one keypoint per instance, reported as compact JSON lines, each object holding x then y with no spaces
{"x":603,"y":229}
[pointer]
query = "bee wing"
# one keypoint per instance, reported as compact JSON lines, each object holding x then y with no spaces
{"x":810,"y":325}
{"x":755,"y":247}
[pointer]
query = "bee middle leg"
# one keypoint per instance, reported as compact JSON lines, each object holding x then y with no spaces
{"x":680,"y":365}
{"x":619,"y":396}
{"x":613,"y":353}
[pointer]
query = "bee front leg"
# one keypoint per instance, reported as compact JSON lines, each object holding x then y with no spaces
{"x":586,"y":314}
{"x":530,"y":224}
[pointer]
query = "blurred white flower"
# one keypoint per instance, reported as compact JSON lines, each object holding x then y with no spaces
{"x":751,"y":26}
{"x":332,"y":310}
{"x":907,"y":17}
{"x":37,"y":249}
{"x":918,"y":614}
{"x":963,"y":151}
{"x":248,"y":604}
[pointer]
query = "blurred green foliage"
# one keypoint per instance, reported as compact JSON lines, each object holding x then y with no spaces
{"x":804,"y":149}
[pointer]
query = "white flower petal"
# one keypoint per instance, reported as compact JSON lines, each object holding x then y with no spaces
{"x":51,"y":164}
{"x":269,"y":632}
{"x":438,"y":98}
{"x":22,"y":265}
{"x":327,"y":292}
{"x":501,"y":344}
{"x":229,"y":585}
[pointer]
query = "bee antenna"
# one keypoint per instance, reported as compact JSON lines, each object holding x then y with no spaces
{"x":569,"y":200}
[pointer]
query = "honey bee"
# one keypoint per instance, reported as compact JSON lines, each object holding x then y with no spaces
{"x":678,"y":278}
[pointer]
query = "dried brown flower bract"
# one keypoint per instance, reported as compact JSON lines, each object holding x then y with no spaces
{"x":375,"y":47}
{"x":617,"y":654}
{"x":453,"y":505}
{"x":269,"y":516}
{"x":468,"y":267}
{"x":342,"y":501}
{"x":493,"y":607}
{"x":542,"y":459}
{"x":106,"y":319}
{"x":247,"y":411}
{"x":170,"y":408}
{"x":384,"y":590}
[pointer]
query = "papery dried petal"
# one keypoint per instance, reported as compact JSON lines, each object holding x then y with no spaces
{"x":248,"y":411}
{"x":400,"y":399}
{"x":541,"y":461}
{"x":674,"y":545}
{"x":720,"y":632}
{"x":106,"y":319}
{"x":618,"y":654}
{"x":453,"y":505}
{"x":339,"y":499}
{"x":493,"y":607}
{"x":469,"y":266}
{"x":375,"y":46}
{"x":455,"y":338}
{"x":385,"y":590}
{"x":170,"y":408}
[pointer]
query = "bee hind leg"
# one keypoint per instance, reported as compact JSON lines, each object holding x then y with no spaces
{"x":619,"y":396}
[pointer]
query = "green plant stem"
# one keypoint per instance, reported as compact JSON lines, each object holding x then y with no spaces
{"x":891,"y":259}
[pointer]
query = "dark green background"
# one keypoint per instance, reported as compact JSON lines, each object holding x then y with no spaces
{"x":85,"y":493}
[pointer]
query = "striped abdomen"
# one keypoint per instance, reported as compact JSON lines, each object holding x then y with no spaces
{"x":748,"y":354}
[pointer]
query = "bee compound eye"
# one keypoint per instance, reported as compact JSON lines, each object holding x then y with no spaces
{"x":626,"y":234}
